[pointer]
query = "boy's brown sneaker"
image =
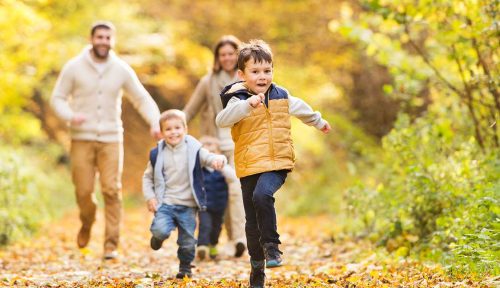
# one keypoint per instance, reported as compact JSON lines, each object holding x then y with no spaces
{"x":83,"y":237}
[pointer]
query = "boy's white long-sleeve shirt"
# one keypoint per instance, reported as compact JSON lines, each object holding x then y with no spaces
{"x":238,"y":109}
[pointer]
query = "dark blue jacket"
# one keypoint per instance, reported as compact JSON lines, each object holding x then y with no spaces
{"x":216,"y":189}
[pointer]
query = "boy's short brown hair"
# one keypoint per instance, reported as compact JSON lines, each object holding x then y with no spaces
{"x":258,"y":50}
{"x":173,"y":114}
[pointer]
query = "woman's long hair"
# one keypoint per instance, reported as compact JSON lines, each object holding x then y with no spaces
{"x":224,"y":40}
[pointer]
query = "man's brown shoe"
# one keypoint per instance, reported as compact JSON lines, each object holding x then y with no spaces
{"x":83,"y":237}
{"x":111,"y":255}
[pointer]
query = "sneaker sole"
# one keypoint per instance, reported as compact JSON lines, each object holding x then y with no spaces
{"x":110,"y":257}
{"x":273,"y":264}
{"x":182,"y":276}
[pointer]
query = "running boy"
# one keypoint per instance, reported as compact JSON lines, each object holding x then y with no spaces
{"x":259,"y":113}
{"x":173,"y":186}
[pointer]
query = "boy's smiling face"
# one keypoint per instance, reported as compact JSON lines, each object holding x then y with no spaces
{"x":258,"y":76}
{"x":173,"y":131}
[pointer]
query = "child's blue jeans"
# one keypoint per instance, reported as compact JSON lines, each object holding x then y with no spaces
{"x":260,"y":227}
{"x":169,"y":217}
{"x":210,"y":227}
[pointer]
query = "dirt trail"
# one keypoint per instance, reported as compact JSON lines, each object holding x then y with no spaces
{"x":51,"y":259}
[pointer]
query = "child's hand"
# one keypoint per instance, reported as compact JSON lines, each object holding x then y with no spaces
{"x":326,"y":128}
{"x":256,"y":100}
{"x":218,"y":163}
{"x":155,"y":133}
{"x":78,"y":119}
{"x":152,"y":205}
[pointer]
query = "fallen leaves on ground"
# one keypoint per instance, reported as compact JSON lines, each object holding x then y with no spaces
{"x":312,"y":259}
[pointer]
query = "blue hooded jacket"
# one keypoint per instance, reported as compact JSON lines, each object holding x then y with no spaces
{"x":217,"y":190}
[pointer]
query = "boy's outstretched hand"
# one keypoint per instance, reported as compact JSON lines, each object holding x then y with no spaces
{"x":155,"y":133}
{"x":152,"y":205}
{"x":256,"y":100}
{"x":218,"y":163}
{"x":326,"y":128}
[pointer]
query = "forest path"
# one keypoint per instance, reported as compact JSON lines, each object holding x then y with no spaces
{"x":312,"y":259}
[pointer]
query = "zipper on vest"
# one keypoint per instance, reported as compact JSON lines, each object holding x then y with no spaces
{"x":270,"y":128}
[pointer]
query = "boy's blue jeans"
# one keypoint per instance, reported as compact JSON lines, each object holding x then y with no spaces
{"x":260,"y":227}
{"x":210,"y":227}
{"x":169,"y":217}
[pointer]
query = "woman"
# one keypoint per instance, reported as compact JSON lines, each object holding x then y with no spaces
{"x":206,"y":100}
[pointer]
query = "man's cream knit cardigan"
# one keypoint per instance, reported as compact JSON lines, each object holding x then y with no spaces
{"x":81,"y":88}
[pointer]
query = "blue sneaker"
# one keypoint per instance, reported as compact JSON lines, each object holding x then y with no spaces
{"x":273,"y":255}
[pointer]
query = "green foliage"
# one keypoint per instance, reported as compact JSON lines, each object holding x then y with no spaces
{"x":438,"y":195}
{"x":438,"y":177}
{"x":32,"y":190}
{"x":451,"y":46}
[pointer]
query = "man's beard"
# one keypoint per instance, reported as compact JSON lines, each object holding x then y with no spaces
{"x":99,"y":54}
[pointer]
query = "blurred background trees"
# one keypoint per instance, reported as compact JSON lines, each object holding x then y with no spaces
{"x":410,"y":87}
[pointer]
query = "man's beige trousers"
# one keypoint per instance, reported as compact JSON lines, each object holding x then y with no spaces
{"x":87,"y":158}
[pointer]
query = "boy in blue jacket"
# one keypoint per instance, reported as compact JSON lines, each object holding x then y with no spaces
{"x":173,"y":186}
{"x":217,"y":186}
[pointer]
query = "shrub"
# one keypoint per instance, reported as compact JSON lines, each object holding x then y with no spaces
{"x":32,"y":190}
{"x":437,"y":196}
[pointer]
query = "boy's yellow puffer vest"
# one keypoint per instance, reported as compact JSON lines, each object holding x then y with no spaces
{"x":262,"y":140}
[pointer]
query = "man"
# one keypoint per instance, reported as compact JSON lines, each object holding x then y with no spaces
{"x":88,"y":95}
